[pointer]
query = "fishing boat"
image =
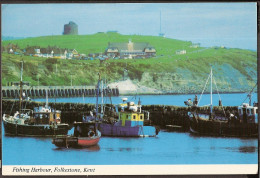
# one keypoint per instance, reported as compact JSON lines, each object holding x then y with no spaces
{"x":39,"y":121}
{"x":211,"y":124}
{"x":85,"y":135}
{"x":129,"y":123}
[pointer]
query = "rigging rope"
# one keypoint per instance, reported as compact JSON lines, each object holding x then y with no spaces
{"x":26,"y":100}
{"x":250,"y":93}
{"x":12,"y":104}
{"x":218,"y":95}
{"x":203,"y":89}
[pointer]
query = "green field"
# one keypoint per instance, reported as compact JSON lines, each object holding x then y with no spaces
{"x":234,"y":69}
{"x":98,"y":42}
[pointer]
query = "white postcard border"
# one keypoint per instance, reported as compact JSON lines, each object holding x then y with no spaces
{"x":130,"y":169}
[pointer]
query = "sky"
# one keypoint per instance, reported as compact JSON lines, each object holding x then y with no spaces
{"x":230,"y":24}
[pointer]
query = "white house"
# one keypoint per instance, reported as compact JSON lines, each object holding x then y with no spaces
{"x":181,"y":51}
{"x":38,"y":52}
{"x":195,"y":45}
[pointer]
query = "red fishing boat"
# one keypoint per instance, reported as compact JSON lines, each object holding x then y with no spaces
{"x":85,"y":135}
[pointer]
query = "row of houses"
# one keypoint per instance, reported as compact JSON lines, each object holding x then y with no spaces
{"x":52,"y":52}
{"x":11,"y":48}
{"x":49,"y":52}
{"x":128,"y":50}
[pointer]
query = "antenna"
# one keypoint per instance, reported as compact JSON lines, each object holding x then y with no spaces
{"x":160,"y":23}
{"x":161,"y":34}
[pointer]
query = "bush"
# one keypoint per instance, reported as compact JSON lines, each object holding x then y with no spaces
{"x":51,"y":61}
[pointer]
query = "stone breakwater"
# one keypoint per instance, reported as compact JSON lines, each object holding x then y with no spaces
{"x":56,"y":91}
{"x":160,"y":115}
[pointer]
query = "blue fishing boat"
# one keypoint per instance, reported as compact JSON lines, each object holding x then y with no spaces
{"x":127,"y":122}
{"x":130,"y":123}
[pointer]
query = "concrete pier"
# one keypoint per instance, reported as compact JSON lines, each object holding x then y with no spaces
{"x":56,"y":91}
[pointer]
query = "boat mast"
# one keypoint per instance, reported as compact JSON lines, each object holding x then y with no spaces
{"x":97,"y":96}
{"x":21,"y":90}
{"x":250,"y":98}
{"x":46,"y":105}
{"x":102,"y":102}
{"x":211,"y":90}
{"x":95,"y":127}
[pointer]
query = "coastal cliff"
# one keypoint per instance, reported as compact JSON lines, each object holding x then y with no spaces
{"x":234,"y":70}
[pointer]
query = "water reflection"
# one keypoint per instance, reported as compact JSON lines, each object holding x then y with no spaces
{"x":242,"y":149}
{"x":247,"y":149}
{"x":94,"y":148}
{"x":128,"y":149}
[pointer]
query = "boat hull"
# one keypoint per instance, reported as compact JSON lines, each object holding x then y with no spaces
{"x":65,"y":141}
{"x":34,"y":130}
{"x":201,"y":126}
{"x":86,"y":141}
{"x":124,"y":131}
{"x":72,"y":141}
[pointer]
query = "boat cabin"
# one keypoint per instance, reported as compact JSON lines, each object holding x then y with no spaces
{"x":247,"y":113}
{"x":131,"y":115}
{"x":46,"y":115}
{"x":84,"y":129}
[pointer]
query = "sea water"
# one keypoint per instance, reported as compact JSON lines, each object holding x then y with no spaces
{"x":234,"y":99}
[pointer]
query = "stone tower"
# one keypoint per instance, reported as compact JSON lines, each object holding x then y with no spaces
{"x":70,"y":29}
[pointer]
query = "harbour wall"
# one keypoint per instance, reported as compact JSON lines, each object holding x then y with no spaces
{"x":160,"y":115}
{"x":56,"y":91}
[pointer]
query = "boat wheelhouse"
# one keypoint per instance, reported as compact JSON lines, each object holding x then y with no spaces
{"x":247,"y":113}
{"x":131,"y":115}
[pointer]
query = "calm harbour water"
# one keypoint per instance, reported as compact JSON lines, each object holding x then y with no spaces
{"x":233,"y":99}
{"x":166,"y":148}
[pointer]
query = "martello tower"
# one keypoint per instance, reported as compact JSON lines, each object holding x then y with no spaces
{"x":70,"y":29}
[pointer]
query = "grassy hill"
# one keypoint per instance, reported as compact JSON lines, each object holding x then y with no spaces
{"x":234,"y":69}
{"x":99,"y":41}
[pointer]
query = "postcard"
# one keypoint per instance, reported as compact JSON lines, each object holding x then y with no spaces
{"x":129,"y":88}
